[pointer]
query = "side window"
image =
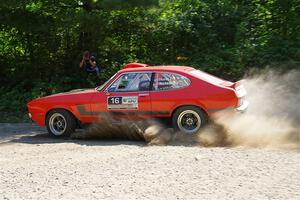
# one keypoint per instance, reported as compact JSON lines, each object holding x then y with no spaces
{"x":169,"y":81}
{"x":131,"y":82}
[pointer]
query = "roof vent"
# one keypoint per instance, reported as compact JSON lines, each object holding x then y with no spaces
{"x":134,"y":65}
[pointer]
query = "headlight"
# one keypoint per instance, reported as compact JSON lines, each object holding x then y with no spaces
{"x":29,"y":115}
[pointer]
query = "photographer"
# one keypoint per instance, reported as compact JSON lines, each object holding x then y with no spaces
{"x":85,"y":61}
{"x":93,"y":68}
{"x":89,"y":64}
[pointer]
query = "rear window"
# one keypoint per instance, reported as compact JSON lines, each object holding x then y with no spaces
{"x":207,"y":77}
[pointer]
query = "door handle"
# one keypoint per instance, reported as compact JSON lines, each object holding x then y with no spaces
{"x":143,"y":95}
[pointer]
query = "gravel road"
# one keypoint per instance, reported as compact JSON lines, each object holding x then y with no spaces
{"x":34,"y":166}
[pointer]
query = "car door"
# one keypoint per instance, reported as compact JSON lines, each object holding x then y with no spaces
{"x":168,"y":91}
{"x":127,"y":96}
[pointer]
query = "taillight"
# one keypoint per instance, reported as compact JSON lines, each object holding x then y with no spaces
{"x":241,"y":101}
{"x":239,"y":89}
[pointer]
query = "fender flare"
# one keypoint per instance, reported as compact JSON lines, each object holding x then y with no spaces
{"x":199,"y":105}
{"x":63,"y":107}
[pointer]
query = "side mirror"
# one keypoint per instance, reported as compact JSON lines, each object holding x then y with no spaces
{"x":106,"y":92}
{"x":111,"y":89}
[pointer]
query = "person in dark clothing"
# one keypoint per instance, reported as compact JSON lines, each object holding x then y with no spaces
{"x":85,"y":61}
{"x":89,"y":64}
{"x":93,"y":68}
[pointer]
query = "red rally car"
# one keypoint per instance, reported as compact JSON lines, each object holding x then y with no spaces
{"x":186,"y":96}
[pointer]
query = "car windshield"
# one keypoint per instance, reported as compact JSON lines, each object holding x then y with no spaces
{"x":104,"y":84}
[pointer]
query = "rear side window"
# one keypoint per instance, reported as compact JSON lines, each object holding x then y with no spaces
{"x":169,"y":81}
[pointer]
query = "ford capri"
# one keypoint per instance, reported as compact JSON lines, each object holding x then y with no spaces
{"x":187,"y":97}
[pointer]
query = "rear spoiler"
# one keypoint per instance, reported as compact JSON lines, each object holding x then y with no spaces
{"x":237,"y":84}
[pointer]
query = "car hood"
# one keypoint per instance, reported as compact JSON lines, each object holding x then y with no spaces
{"x":76,"y":91}
{"x":71,"y":96}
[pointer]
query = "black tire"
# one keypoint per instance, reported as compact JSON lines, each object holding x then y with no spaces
{"x":189,"y":119}
{"x":60,"y":123}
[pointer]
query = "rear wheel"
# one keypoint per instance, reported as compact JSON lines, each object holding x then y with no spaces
{"x":189,"y":119}
{"x":60,"y":123}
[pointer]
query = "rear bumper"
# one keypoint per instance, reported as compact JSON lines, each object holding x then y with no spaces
{"x":243,"y":107}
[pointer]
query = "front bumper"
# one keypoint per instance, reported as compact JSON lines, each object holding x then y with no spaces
{"x":30,"y":117}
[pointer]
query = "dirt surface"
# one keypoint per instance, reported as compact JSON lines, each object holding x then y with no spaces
{"x":34,"y":166}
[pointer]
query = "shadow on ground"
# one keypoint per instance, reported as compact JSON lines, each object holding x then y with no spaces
{"x":156,"y":135}
{"x":31,"y":134}
{"x":44,"y":138}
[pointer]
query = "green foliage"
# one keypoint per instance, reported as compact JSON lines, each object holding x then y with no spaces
{"x":41,"y":42}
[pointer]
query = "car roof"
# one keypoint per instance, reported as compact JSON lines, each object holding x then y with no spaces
{"x":169,"y":68}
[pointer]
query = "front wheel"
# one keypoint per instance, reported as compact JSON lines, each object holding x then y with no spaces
{"x":189,"y":119}
{"x":60,"y":123}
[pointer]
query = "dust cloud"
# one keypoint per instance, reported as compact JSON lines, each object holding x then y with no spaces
{"x":109,"y":128}
{"x":272,"y":119}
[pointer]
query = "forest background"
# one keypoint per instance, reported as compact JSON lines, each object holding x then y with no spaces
{"x":41,"y":41}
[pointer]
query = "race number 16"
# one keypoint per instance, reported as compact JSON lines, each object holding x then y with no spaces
{"x":114,"y":100}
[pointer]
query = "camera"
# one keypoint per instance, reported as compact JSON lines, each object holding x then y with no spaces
{"x":93,"y":59}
